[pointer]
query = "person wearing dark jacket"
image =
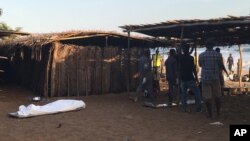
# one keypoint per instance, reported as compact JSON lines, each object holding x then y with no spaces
{"x":221,"y":76}
{"x":171,"y":74}
{"x":189,"y":79}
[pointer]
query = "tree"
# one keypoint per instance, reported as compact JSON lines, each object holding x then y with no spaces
{"x":4,"y":26}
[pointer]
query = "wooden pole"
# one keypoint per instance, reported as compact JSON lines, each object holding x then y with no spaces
{"x":102,"y":61}
{"x":77,"y":75}
{"x":181,"y":40}
{"x":68,"y":83}
{"x":54,"y":63}
{"x":178,"y":69}
{"x":59,"y":80}
{"x":87,"y":79}
{"x":86,"y":70}
{"x":128,"y":64}
{"x":48,"y":72}
{"x":240,"y":65}
{"x":249,"y":74}
{"x":196,"y":58}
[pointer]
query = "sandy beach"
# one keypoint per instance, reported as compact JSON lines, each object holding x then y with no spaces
{"x":235,"y":84}
{"x":115,"y":117}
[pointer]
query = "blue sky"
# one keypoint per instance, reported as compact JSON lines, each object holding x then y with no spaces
{"x":43,"y":16}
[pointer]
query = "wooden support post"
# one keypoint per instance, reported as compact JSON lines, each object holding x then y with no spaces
{"x":87,"y":79}
{"x":178,"y":68}
{"x":86,"y":71}
{"x":128,"y":63}
{"x":195,"y":54}
{"x":59,"y":80}
{"x":77,"y":75}
{"x":102,"y":62}
{"x":68,"y":83}
{"x":54,"y":63}
{"x":48,"y":73}
{"x":249,"y":74}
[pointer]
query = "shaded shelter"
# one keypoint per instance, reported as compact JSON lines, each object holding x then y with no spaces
{"x":226,"y":31}
{"x":75,"y":63}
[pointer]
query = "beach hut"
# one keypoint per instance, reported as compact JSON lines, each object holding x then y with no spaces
{"x":226,"y":31}
{"x":75,"y":63}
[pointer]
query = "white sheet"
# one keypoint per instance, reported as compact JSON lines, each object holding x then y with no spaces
{"x":51,"y":108}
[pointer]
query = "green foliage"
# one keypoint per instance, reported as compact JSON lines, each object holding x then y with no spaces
{"x":4,"y":26}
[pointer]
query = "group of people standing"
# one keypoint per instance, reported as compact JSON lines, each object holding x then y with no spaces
{"x":188,"y":77}
{"x":181,"y":69}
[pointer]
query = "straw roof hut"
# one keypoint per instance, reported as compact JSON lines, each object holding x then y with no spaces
{"x":75,"y":63}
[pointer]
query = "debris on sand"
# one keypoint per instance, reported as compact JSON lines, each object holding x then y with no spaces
{"x":217,"y":123}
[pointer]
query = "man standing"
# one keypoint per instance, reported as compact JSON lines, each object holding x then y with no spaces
{"x":156,"y":60}
{"x":221,"y":76}
{"x":230,"y":62}
{"x":189,"y":79}
{"x":210,"y":62}
{"x":145,"y":76}
{"x":171,"y":74}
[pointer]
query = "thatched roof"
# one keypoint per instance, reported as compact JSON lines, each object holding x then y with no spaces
{"x":100,"y":38}
{"x":95,"y":38}
{"x":227,"y":31}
